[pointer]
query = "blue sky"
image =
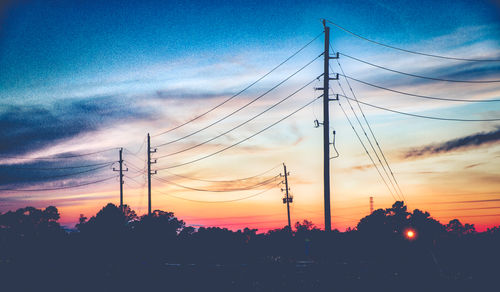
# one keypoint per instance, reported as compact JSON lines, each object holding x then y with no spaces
{"x":79,"y":76}
{"x":52,"y":41}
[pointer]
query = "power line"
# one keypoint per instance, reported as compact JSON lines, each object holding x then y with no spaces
{"x":223,"y":181}
{"x":140,"y":148}
{"x":141,"y":185}
{"x":135,"y":156}
{"x":465,"y":202}
{"x":240,"y":92}
{"x":372,"y":133}
{"x":466,"y":216}
{"x":418,"y":95}
{"x":422,"y":116}
{"x":246,"y":224}
{"x":419,"y":76}
{"x":263,"y":183}
{"x":241,"y":124}
{"x":241,"y":141}
{"x":57,"y":168}
{"x":369,"y":141}
{"x":134,"y":167}
{"x":366,"y":150}
{"x":412,"y":52}
{"x":59,"y":188}
{"x":240,"y":108}
{"x":467,"y":209}
{"x":59,"y":157}
{"x":218,"y":201}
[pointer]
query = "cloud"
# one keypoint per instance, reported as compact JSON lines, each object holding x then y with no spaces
{"x":361,"y":167}
{"x":472,"y":165}
{"x":57,"y":172}
{"x":28,"y":128}
{"x":183,"y":95}
{"x":467,"y":142}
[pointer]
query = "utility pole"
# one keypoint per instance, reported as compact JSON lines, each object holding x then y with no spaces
{"x":288,"y":198}
{"x":120,"y":160}
{"x":326,"y":127}
{"x":150,"y":173}
{"x":371,"y":205}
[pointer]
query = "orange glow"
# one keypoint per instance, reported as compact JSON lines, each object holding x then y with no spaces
{"x":410,"y":234}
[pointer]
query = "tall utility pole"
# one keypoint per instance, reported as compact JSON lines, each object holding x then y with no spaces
{"x":371,"y":205}
{"x":326,"y":127}
{"x":287,"y":199}
{"x":150,"y":173}
{"x":121,"y":176}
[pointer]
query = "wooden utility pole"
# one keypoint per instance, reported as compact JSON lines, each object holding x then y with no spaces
{"x":121,"y":170}
{"x":150,"y":173}
{"x":326,"y":129}
{"x":287,"y":199}
{"x":326,"y":126}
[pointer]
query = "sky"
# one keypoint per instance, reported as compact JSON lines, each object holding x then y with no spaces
{"x":81,"y":79}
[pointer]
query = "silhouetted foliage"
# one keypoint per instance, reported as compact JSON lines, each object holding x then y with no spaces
{"x":116,"y":250}
{"x":455,"y":227}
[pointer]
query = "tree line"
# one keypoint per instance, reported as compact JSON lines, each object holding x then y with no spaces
{"x":116,"y":248}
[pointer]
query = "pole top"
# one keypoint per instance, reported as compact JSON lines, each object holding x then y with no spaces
{"x":324,"y":22}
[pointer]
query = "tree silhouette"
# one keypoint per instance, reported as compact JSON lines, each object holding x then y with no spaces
{"x":456,"y":228}
{"x":117,"y":250}
{"x":109,"y":220}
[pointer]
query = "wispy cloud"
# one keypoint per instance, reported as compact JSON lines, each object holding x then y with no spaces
{"x":467,"y":142}
{"x":361,"y":167}
{"x":29,"y":128}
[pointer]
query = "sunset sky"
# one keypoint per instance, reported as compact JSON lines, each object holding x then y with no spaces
{"x":80,"y":79}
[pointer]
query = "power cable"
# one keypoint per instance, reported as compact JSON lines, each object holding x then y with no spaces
{"x":370,"y":143}
{"x":466,"y":209}
{"x":241,"y":124}
{"x":240,"y":92}
{"x":418,"y":95}
{"x":337,"y":154}
{"x":409,"y":51}
{"x":135,"y":156}
{"x":224,"y":181}
{"x":134,"y":167}
{"x":140,"y":148}
{"x":466,"y":216}
{"x":366,"y":150}
{"x":241,"y":141}
{"x":240,"y":108}
{"x":422,"y":116}
{"x":218,"y":201}
{"x":371,"y":131}
{"x":464,"y":202}
{"x":141,"y":185}
{"x":418,"y":76}
{"x":263,"y":183}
